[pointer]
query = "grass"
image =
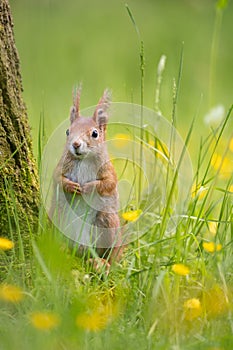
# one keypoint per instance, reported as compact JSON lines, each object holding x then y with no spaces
{"x":58,"y":45}
{"x":179,"y":296}
{"x":169,"y":291}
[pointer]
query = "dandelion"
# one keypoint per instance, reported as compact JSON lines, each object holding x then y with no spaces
{"x":151,"y":143}
{"x":231,"y":145}
{"x":132,"y":215}
{"x":94,"y":321}
{"x":192,"y":309}
{"x":44,"y":321}
{"x":218,"y":247}
{"x":180,"y":269}
{"x":223,"y":165}
{"x":226,"y":168}
{"x":6,"y":244}
{"x":216,"y":302}
{"x":11,"y":293}
{"x":231,"y":189}
{"x":163,"y":153}
{"x":121,"y":140}
{"x":98,"y":318}
{"x":161,"y":150}
{"x":212,"y":247}
{"x":199,"y":192}
{"x":213,"y":226}
{"x":216,"y":161}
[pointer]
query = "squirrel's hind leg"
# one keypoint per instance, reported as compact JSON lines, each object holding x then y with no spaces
{"x":109,"y":240}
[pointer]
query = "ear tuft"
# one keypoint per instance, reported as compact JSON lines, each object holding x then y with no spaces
{"x":102,"y":118}
{"x":75,"y":109}
{"x":73,"y":114}
{"x":102,"y":107}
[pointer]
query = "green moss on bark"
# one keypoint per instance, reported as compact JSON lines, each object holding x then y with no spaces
{"x":19,"y":189}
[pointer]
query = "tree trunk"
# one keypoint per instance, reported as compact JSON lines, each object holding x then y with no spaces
{"x":19,"y":190}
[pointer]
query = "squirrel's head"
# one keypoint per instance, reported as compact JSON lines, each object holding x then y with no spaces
{"x":86,"y":135}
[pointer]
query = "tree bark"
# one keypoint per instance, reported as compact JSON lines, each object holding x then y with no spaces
{"x":19,"y":189}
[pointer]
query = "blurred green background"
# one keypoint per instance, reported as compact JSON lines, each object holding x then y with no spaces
{"x":61,"y":43}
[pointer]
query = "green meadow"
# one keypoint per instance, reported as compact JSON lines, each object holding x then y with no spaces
{"x":172,"y":288}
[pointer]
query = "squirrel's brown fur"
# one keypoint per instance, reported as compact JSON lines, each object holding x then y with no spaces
{"x":87,"y":177}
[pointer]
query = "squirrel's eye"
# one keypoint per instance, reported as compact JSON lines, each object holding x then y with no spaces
{"x":95,"y":134}
{"x":67,"y":132}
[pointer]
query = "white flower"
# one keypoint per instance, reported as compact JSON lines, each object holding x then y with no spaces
{"x":161,"y":64}
{"x":215,"y":115}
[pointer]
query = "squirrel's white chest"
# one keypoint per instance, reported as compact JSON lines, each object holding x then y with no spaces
{"x":83,"y":171}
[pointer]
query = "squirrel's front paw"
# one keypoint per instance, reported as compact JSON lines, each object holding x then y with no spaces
{"x":99,"y":265}
{"x":72,"y":187}
{"x":88,"y":187}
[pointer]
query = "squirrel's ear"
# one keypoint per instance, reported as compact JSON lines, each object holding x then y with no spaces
{"x":100,"y":115}
{"x":73,"y":114}
{"x":75,"y":109}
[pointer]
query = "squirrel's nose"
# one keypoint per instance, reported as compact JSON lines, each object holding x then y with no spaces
{"x":76,"y":144}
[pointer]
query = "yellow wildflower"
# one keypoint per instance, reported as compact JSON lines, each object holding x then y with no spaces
{"x":44,"y":320}
{"x":226,"y":168}
{"x":216,"y":161}
{"x":94,"y":321}
{"x":10,"y":293}
{"x":216,"y":302}
{"x":131,"y":215}
{"x":98,"y":317}
{"x":6,"y":244}
{"x":218,"y":247}
{"x":199,"y":191}
{"x":231,"y":145}
{"x":121,"y":140}
{"x":151,"y":143}
{"x":212,"y":247}
{"x":213,"y":225}
{"x":224,"y":165}
{"x":161,"y":150}
{"x":192,"y":309}
{"x":209,"y":246}
{"x":231,"y":188}
{"x":181,"y":269}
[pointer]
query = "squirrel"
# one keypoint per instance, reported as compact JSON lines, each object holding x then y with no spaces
{"x":86,"y":181}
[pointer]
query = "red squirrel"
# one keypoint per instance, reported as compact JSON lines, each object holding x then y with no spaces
{"x":87,"y":181}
